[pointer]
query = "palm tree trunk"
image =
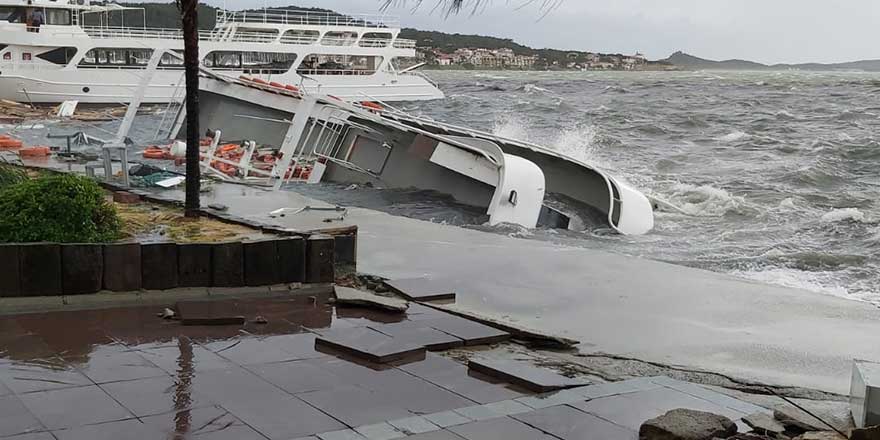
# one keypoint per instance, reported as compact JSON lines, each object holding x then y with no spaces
{"x":190,"y":19}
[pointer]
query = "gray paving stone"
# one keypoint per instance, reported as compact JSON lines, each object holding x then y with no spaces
{"x":478,"y":412}
{"x":547,"y":400}
{"x":712,"y":396}
{"x":422,"y":289}
{"x":568,"y":423}
{"x":473,"y":333}
{"x":379,"y":431}
{"x":369,"y":344}
{"x":615,"y":388}
{"x":523,"y":373}
{"x":446,"y":419}
{"x":436,"y":435}
{"x":504,"y":428}
{"x":414,"y":425}
{"x":345,"y":434}
{"x":508,"y":407}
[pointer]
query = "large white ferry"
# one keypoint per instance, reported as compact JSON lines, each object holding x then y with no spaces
{"x":90,"y":52}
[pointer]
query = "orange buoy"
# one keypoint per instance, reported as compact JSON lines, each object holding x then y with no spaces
{"x":275,"y":84}
{"x":259,"y":81}
{"x":154,"y":152}
{"x":244,"y":78}
{"x":38,"y":151}
{"x":291,"y":88}
{"x":9,"y":143}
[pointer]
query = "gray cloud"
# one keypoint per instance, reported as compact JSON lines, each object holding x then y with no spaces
{"x":762,"y":30}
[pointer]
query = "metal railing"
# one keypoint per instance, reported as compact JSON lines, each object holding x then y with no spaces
{"x":356,"y":72}
{"x":139,"y":33}
{"x":298,"y":39}
{"x":374,"y":42}
{"x":403,"y":43}
{"x":338,"y":41}
{"x":281,"y":16}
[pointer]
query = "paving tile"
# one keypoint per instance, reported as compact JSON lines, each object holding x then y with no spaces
{"x":503,"y":428}
{"x":282,"y":417}
{"x":300,"y":345}
{"x":233,"y":385}
{"x":355,"y":406}
{"x":343,"y":434}
{"x":446,"y":419}
{"x":615,"y":388}
{"x":478,"y":412}
{"x":379,"y":431}
{"x":420,"y":312}
{"x":210,"y":423}
{"x":32,"y":436}
{"x":112,"y":364}
{"x":455,"y":377}
{"x":40,"y":376}
{"x":248,"y":351}
{"x":422,"y":289}
{"x":71,"y":407}
{"x":632,"y":409}
{"x":710,"y":395}
{"x":298,"y":376}
{"x":414,"y":425}
{"x":184,"y":357}
{"x":130,"y":429}
{"x":568,"y":423}
{"x":473,"y":333}
{"x":523,"y":373}
{"x":15,"y":418}
{"x":415,"y":394}
{"x":370,"y":345}
{"x":156,"y":395}
{"x":436,"y":435}
{"x":546,"y":400}
{"x":414,"y":332}
{"x":508,"y":407}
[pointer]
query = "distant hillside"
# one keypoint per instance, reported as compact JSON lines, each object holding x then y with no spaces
{"x":690,"y":62}
{"x":450,"y":42}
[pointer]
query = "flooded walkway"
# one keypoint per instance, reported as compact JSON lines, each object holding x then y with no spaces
{"x":125,"y":373}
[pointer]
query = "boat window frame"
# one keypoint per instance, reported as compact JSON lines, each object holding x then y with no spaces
{"x":242,"y":66}
{"x":314,"y":69}
{"x":102,"y":58}
{"x":285,"y":39}
{"x":69,"y":55}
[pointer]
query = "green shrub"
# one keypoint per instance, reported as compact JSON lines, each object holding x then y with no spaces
{"x":10,"y":175}
{"x":61,"y":208}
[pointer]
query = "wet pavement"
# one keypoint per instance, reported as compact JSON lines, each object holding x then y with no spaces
{"x":124,"y":373}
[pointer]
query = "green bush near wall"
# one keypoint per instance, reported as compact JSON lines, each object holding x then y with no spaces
{"x":59,"y":208}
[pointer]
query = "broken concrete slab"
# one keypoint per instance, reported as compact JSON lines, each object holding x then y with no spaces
{"x":416,"y":332}
{"x":472,"y":333}
{"x":370,"y":345}
{"x":10,"y":279}
{"x":864,"y":393}
{"x":82,"y":268}
{"x":227,"y":264}
{"x":122,"y":267}
{"x":534,"y":338}
{"x":687,"y":424}
{"x":870,"y":433}
{"x":422,"y":289}
{"x":209,"y":313}
{"x":524,"y":374}
{"x":159,"y":266}
{"x":39,"y":267}
{"x":358,"y":298}
{"x":763,"y":423}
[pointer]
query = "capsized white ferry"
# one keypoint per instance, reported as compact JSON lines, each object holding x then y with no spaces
{"x":97,"y":53}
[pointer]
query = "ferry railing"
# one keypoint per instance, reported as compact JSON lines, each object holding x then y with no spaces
{"x":298,"y":39}
{"x":355,"y":72}
{"x":280,"y":16}
{"x":254,"y":37}
{"x":338,"y":41}
{"x":374,"y":42}
{"x":402,"y":43}
{"x":138,"y":33}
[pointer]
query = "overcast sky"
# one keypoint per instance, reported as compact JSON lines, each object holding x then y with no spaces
{"x":768,"y":31}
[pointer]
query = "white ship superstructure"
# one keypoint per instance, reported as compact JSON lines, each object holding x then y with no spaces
{"x":92,"y":53}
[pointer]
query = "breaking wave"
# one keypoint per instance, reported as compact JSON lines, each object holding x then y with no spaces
{"x":705,"y":200}
{"x":844,"y":214}
{"x":734,"y":137}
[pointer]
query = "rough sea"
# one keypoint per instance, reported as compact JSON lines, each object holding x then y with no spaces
{"x":774,"y":176}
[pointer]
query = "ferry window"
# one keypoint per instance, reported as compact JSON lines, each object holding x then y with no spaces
{"x":296,"y":36}
{"x":60,"y":17}
{"x":116,"y":57}
{"x":375,"y":39}
{"x":170,"y":61}
{"x":25,"y":56}
{"x":250,"y":62}
{"x":60,"y":56}
{"x":332,"y":64}
{"x":12,"y":14}
{"x":339,"y":38}
{"x":7,"y":56}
